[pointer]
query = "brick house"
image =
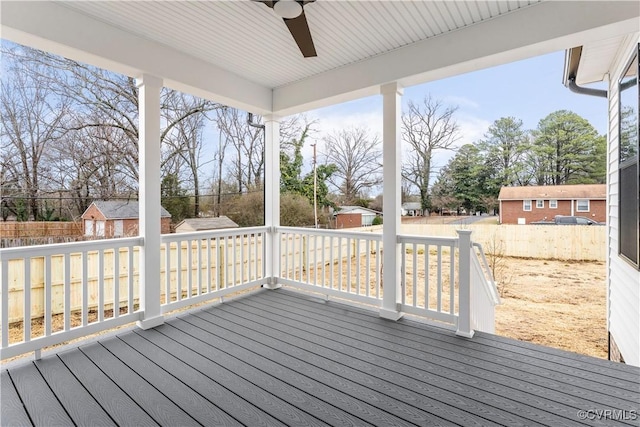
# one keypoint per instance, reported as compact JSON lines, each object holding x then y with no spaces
{"x":117,"y":218}
{"x":522,"y":205}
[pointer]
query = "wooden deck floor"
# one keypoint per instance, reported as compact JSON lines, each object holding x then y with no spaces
{"x":283,"y":358}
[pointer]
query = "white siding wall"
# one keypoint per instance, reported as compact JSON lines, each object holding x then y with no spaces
{"x":623,"y":279}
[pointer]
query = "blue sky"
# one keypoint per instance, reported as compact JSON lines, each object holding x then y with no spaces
{"x":528,"y":90}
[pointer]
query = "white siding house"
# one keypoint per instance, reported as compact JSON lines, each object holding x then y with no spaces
{"x":602,"y":61}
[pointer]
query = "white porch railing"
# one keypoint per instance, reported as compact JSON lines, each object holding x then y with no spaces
{"x":55,"y":293}
{"x":331,"y":262}
{"x":65,"y":291}
{"x":428,"y":277}
{"x":200,"y":266}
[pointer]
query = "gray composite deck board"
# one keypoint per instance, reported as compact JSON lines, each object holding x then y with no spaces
{"x":481,"y":396}
{"x":529,"y":370}
{"x":285,"y":358}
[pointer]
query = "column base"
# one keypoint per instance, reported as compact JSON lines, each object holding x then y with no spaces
{"x":465,"y":334}
{"x":391,"y":314}
{"x":150,"y":323}
{"x":272,"y":286}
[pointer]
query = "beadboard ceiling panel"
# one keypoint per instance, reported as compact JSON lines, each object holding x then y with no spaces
{"x":264,"y":52}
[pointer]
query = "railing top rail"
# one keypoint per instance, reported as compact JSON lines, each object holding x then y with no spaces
{"x":428,"y":240}
{"x":336,"y":233}
{"x":195,"y":235}
{"x":66,"y":248}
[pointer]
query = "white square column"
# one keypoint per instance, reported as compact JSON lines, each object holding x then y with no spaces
{"x":149,"y":199}
{"x":391,"y":192}
{"x":272,"y":200}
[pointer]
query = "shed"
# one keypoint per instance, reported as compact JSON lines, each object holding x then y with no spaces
{"x":117,"y":218}
{"x":201,"y":224}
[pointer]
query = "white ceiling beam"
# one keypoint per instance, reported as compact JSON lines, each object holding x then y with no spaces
{"x":54,"y":28}
{"x":536,"y":30}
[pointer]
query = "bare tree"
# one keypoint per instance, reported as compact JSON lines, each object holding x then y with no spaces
{"x":427,"y":127}
{"x":357,"y":156}
{"x":247,"y":145}
{"x":33,"y":120}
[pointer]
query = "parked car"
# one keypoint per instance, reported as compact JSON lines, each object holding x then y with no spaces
{"x":569,"y":220}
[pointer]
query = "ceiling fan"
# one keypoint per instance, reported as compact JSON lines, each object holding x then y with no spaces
{"x":292,"y":13}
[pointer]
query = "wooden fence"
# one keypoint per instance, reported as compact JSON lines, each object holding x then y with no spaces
{"x":22,"y":229}
{"x":564,"y":242}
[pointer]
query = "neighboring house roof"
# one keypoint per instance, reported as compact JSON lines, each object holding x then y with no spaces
{"x":412,"y":206}
{"x":122,"y":209}
{"x":198,"y":224}
{"x":556,"y":192}
{"x":356,"y":209}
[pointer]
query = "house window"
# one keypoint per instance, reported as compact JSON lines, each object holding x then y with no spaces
{"x":553,"y":204}
{"x":88,"y":227}
{"x":628,"y":164}
{"x":100,"y":228}
{"x":526,"y":205}
{"x":539,"y":204}
{"x":582,"y":205}
{"x":118,"y":228}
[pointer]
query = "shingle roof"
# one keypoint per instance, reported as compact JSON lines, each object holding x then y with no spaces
{"x":556,"y":192}
{"x":208,"y":223}
{"x":123,"y":209}
{"x":412,"y":206}
{"x":347,"y":209}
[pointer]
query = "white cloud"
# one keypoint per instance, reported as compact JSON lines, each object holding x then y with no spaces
{"x":461,"y":102}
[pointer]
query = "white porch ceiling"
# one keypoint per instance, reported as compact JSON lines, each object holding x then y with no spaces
{"x":240,"y":53}
{"x":248,"y":39}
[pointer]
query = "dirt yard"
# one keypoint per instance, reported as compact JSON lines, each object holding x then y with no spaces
{"x":555,"y":303}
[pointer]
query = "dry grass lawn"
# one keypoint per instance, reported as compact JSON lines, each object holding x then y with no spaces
{"x":555,"y":303}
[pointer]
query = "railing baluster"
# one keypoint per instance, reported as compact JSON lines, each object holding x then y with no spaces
{"x":189,"y":267}
{"x":179,"y":270}
{"x":340,"y":264}
{"x":439,"y":290}
{"x":242,"y":258}
{"x":4,"y":281}
{"x":414,"y":282}
{"x":368,"y":267}
{"x":26,"y":293}
{"x":426,"y":276}
{"x":209,"y":265}
{"x":100,"y":263}
{"x":47,"y":295}
{"x":452,"y":276}
{"x":348,"y":284}
{"x":324,"y":275}
{"x":403,"y":272}
{"x":358,"y":269}
{"x":116,"y":282}
{"x":331,"y":261}
{"x":130,"y":268}
{"x":199,"y":266}
{"x":235,"y":263}
{"x":67,"y":291}
{"x":167,"y":272}
{"x":85,"y":288}
{"x":378,"y":274}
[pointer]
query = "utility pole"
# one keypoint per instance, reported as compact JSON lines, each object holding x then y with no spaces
{"x":315,"y":189}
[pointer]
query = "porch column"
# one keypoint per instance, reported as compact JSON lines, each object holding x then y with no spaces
{"x":391,"y":161}
{"x":272,"y":200}
{"x":149,"y":199}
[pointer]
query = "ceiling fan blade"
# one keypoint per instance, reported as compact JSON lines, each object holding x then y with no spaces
{"x":299,"y":29}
